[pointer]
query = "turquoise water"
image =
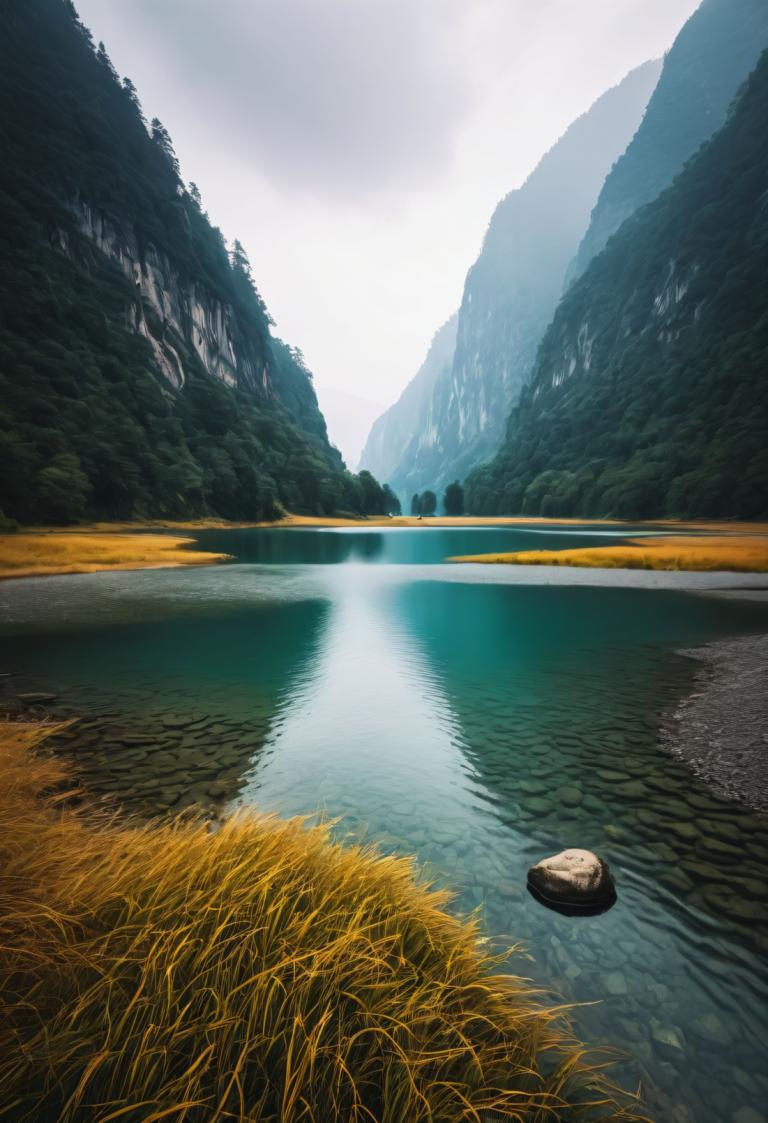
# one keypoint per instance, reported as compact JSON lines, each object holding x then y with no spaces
{"x":475,"y":717}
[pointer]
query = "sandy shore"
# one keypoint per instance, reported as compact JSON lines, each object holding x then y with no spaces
{"x":721,"y":729}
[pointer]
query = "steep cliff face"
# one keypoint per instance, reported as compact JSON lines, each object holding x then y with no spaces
{"x":138,"y":371}
{"x":396,"y":438}
{"x":650,"y":395}
{"x":712,"y":56}
{"x":513,"y":289}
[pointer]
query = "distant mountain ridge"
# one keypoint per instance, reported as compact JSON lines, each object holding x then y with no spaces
{"x":711,"y":57}
{"x":397,"y":437}
{"x":509,"y":297}
{"x":138,"y":373}
{"x":650,"y":395}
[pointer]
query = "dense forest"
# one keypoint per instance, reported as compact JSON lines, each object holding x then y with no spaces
{"x":710,"y":59}
{"x":139,"y":375}
{"x":650,"y":391}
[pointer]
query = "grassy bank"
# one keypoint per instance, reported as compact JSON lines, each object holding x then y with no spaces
{"x":257,"y":973}
{"x":41,"y":553}
{"x":739,"y":553}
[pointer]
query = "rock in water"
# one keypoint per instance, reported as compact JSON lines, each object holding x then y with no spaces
{"x":572,"y":877}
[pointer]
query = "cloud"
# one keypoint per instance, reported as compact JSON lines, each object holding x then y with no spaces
{"x":328,"y":97}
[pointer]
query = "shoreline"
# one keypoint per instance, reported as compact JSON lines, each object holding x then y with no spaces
{"x":107,"y":547}
{"x":718,"y":730}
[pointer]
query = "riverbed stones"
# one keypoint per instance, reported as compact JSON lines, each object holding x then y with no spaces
{"x":572,"y":877}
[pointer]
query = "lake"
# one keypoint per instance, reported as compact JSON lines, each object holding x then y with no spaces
{"x":479,"y":718}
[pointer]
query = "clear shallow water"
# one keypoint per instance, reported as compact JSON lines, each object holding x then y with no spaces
{"x":476,"y":724}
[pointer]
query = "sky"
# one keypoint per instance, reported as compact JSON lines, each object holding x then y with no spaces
{"x":357,"y":148}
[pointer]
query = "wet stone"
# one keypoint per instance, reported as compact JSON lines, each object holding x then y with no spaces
{"x":747,"y":1115}
{"x":709,"y":1028}
{"x":669,"y":1041}
{"x":570,"y":796}
{"x":616,"y":983}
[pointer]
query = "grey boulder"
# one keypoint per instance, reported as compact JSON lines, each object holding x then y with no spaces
{"x":572,"y":877}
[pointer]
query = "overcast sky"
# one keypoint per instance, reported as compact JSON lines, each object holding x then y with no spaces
{"x":358,"y":147}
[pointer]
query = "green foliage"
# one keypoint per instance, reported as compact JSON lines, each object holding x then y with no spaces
{"x":427,"y":503}
{"x":453,"y":500}
{"x":649,"y":397}
{"x":709,"y":61}
{"x":416,"y":505}
{"x":89,"y":426}
{"x":392,"y":503}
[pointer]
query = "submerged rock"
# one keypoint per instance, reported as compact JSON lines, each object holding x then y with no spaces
{"x":572,"y":877}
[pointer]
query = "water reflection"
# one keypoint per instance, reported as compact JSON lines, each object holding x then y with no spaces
{"x":367,"y":730}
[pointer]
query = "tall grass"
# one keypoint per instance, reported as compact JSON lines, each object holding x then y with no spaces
{"x":31,"y":554}
{"x":262,"y":972}
{"x":741,"y":553}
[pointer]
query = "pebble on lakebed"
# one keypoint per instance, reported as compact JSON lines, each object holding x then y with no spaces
{"x":573,"y":879}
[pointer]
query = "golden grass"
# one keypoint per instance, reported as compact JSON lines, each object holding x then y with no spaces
{"x":259,"y":973}
{"x":36,"y":554}
{"x":738,"y":552}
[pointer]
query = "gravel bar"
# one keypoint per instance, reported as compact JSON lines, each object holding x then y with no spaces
{"x":721,"y":729}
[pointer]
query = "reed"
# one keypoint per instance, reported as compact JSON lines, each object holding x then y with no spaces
{"x":260,"y":973}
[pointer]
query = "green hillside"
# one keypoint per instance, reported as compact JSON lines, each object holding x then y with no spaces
{"x":138,"y":373}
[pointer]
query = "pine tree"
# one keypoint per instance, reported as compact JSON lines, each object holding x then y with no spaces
{"x":106,"y":62}
{"x":162,"y":139}
{"x":133,"y":96}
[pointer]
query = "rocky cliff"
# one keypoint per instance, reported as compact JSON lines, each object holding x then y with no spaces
{"x":509,"y":297}
{"x":650,"y":395}
{"x":712,"y":56}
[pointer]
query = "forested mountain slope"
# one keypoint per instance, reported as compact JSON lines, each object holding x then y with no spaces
{"x":512,"y":290}
{"x":138,"y":373}
{"x":712,"y":56}
{"x":391,"y":452}
{"x":650,"y":395}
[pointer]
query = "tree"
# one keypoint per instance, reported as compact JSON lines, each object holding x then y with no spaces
{"x":195,"y":196}
{"x":392,"y":503}
{"x":162,"y":139}
{"x":428,"y":503}
{"x":106,"y":62}
{"x":453,"y":500}
{"x":62,"y":490}
{"x":416,"y":505}
{"x":133,"y":96}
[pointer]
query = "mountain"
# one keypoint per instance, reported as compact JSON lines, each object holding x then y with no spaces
{"x":138,"y":372}
{"x":650,"y":395}
{"x":712,"y":56}
{"x":510,"y":295}
{"x":396,"y":440}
